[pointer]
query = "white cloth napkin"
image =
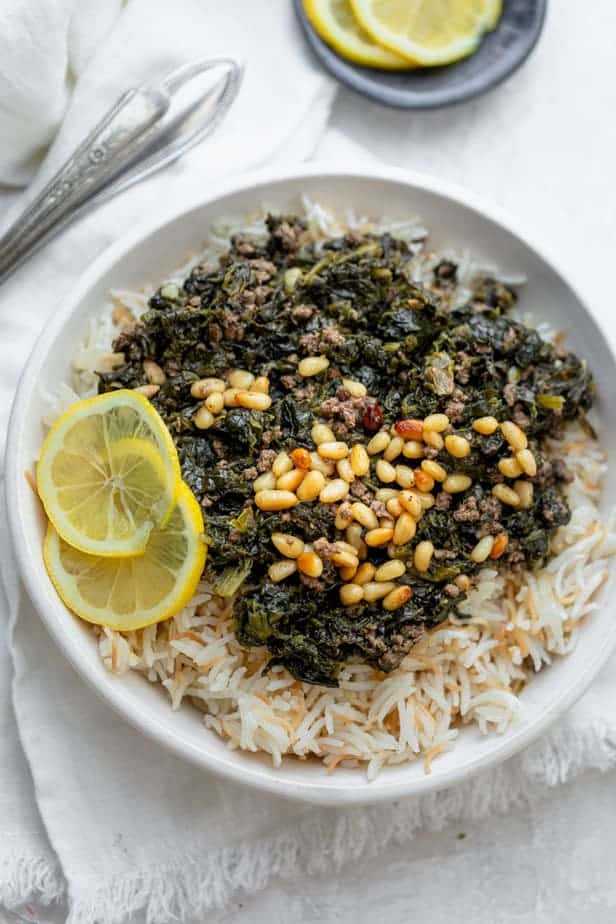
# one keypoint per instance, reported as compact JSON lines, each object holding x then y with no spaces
{"x":127,"y":828}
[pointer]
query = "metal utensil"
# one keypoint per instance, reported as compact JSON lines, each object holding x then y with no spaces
{"x":140,"y":134}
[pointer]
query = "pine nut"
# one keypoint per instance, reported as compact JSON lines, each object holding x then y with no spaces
{"x":514,"y":435}
{"x":288,"y":545}
{"x":311,"y":486}
{"x":378,"y":443}
{"x":385,"y":494}
{"x":253,"y":400}
{"x":154,"y":373}
{"x":364,"y":573}
{"x":205,"y":387}
{"x":215,"y":402}
{"x":485,"y":425}
{"x":350,"y":594}
{"x":423,"y":481}
{"x":281,"y":464}
{"x":454,"y":484}
{"x":281,"y":570}
{"x":261,"y":384}
{"x":376,"y":590}
{"x":527,"y":462}
{"x":423,"y":555}
{"x":353,"y":534}
{"x":394,"y":506}
{"x":275,"y":500}
{"x":506,"y":495}
{"x":413,"y":449}
{"x":434,"y":470}
{"x":321,"y":465}
{"x":463,"y":582}
{"x":344,"y":559}
{"x":345,"y":470}
{"x":396,"y":444}
{"x":405,"y":476}
{"x":148,"y":391}
{"x":347,"y":574}
{"x":500,"y":544}
{"x":525,"y":491}
{"x":482,"y":549}
{"x":380,"y":536}
{"x":457,"y":446}
{"x":230,"y":395}
{"x":426,"y":499}
{"x":333,"y":450}
{"x":397,"y":597}
{"x":310,"y":564}
{"x":350,"y":546}
{"x":409,"y":429}
{"x":240,"y":378}
{"x":355,"y":389}
{"x":390,"y":571}
{"x":404,"y":529}
{"x":434,"y":439}
{"x":265,"y":482}
{"x":203,"y":419}
{"x":312,"y":365}
{"x":509,"y":467}
{"x":362,"y":551}
{"x":300,"y":458}
{"x":291,"y":481}
{"x":364,"y":515}
{"x":334,"y":491}
{"x":344,"y":516}
{"x":360,"y":460}
{"x":438,"y":422}
{"x":411,"y":504}
{"x":385,"y":471}
{"x":386,"y":522}
{"x":322,"y":434}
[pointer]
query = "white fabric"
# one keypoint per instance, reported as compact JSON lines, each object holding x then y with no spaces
{"x":130,"y":828}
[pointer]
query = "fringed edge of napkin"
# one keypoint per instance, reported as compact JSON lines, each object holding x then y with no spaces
{"x":30,"y":879}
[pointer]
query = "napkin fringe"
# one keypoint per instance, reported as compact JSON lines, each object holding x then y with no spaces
{"x":30,"y":879}
{"x":202,"y":881}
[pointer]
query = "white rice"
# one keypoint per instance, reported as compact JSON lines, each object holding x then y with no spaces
{"x":464,"y":671}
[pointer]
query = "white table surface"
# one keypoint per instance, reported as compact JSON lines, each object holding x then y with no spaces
{"x":543,"y":145}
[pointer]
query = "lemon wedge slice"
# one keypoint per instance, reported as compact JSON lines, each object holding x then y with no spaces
{"x":334,"y":21}
{"x":109,"y":474}
{"x":427,"y":32}
{"x":130,"y":593}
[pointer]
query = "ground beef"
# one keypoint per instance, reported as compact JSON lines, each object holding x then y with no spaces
{"x":289,"y":381}
{"x":346,"y":411}
{"x":444,"y":554}
{"x":289,"y":236}
{"x":251,"y":473}
{"x":520,"y":417}
{"x":232,"y":327}
{"x":561,"y":471}
{"x":360,"y":490}
{"x":443,"y":500}
{"x":462,"y":367}
{"x":265,"y":460}
{"x":303,"y":312}
{"x":214,"y":332}
{"x":219,"y":448}
{"x":264,"y":270}
{"x":452,"y":590}
{"x":269,"y":435}
{"x":467,"y":512}
{"x":455,"y":406}
{"x":510,"y":394}
{"x":491,"y":510}
{"x":510,"y":340}
{"x":332,"y":336}
{"x":242,"y":246}
{"x":309,"y":343}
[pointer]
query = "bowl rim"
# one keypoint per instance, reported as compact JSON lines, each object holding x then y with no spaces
{"x":129,"y":708}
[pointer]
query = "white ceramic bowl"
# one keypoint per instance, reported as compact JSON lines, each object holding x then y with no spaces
{"x":455,"y":220}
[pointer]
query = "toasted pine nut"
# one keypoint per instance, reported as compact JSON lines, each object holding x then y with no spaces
{"x":525,"y":491}
{"x":347,"y":574}
{"x":482,"y":549}
{"x":215,"y":402}
{"x":423,"y":481}
{"x":376,"y":590}
{"x":311,"y":486}
{"x":457,"y":446}
{"x":345,"y":470}
{"x":240,"y":378}
{"x":434,"y":470}
{"x":265,"y":482}
{"x":281,"y":570}
{"x":230,"y":395}
{"x":333,"y":450}
{"x":426,"y":499}
{"x":526,"y":461}
{"x":291,"y":481}
{"x":148,"y":391}
{"x":380,"y":536}
{"x":310,"y":564}
{"x":514,"y":435}
{"x":405,"y":476}
{"x":203,"y":419}
{"x":321,"y":465}
{"x":500,"y":544}
{"x":438,"y":422}
{"x":288,"y":545}
{"x":344,"y":559}
{"x":411,"y":504}
{"x":253,"y":400}
{"x":413,"y":449}
{"x":281,"y":464}
{"x":312,"y":365}
{"x":434,"y":439}
{"x":321,"y":433}
{"x":353,"y":540}
{"x":485,"y":425}
{"x":423,"y":555}
{"x":364,"y":573}
{"x":153,"y":372}
{"x":506,"y":495}
{"x":350,"y":594}
{"x":509,"y":467}
{"x":205,"y":387}
{"x":275,"y":500}
{"x":355,"y":389}
{"x":360,"y":461}
{"x":385,"y":494}
{"x":385,"y":471}
{"x":409,"y":429}
{"x":397,"y":597}
{"x":394,"y":506}
{"x":390,"y":571}
{"x":301,"y":458}
{"x":344,"y":516}
{"x":334,"y":491}
{"x":404,"y":529}
{"x":378,"y":443}
{"x":261,"y":384}
{"x":393,"y":450}
{"x":454,"y":484}
{"x":463,"y":582}
{"x":364,"y":515}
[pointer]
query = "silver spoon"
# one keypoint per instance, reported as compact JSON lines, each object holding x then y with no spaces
{"x":140,"y":134}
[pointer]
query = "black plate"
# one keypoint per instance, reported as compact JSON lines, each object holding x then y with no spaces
{"x":499,"y":54}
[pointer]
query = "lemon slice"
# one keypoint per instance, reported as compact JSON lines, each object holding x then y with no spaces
{"x":494,"y":9}
{"x":335,"y":23}
{"x":130,"y":593}
{"x":108,"y":474}
{"x":428,"y":32}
